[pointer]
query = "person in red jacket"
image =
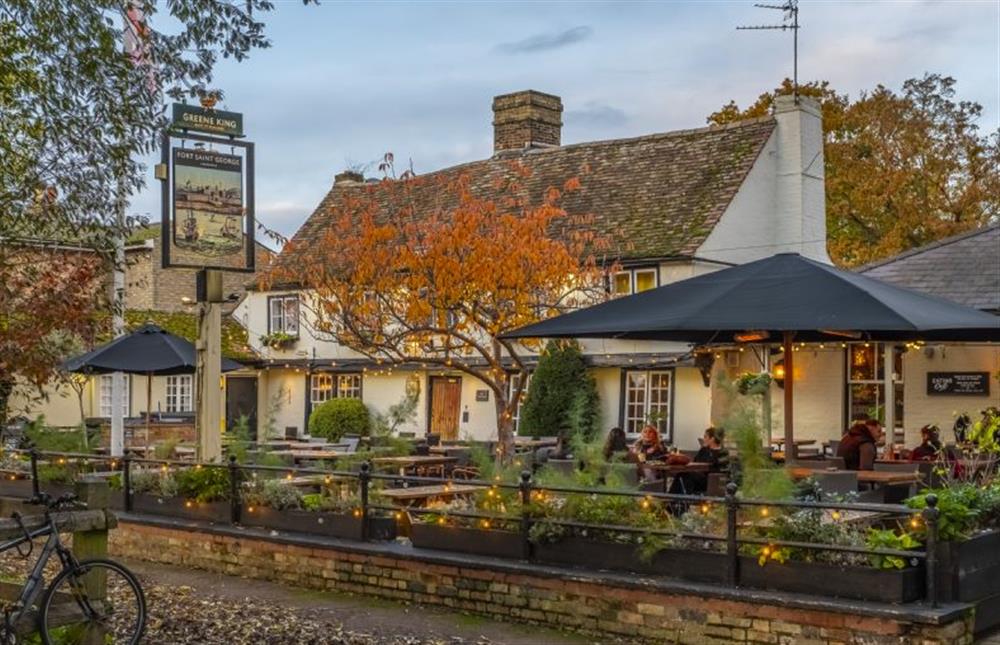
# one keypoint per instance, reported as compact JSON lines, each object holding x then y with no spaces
{"x":930,"y":444}
{"x":859,"y":446}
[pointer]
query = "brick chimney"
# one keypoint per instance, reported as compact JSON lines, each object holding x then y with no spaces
{"x":527,"y":119}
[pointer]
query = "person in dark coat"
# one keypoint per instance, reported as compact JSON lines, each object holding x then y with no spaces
{"x":711,"y":453}
{"x":615,"y":444}
{"x":859,"y":447}
{"x":930,"y":444}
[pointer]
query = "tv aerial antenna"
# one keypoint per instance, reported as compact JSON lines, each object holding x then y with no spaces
{"x":790,"y":21}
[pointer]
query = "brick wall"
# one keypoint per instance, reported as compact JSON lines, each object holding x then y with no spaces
{"x":596,"y":607}
{"x":524,"y":118}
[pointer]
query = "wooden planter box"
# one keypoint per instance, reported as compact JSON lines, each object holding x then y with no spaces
{"x":693,"y":565}
{"x":339,"y":525}
{"x":500,"y":544}
{"x":21,"y":488}
{"x":819,"y":579}
{"x":969,"y":571}
{"x":218,"y":512}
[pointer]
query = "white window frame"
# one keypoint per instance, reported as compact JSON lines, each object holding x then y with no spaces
{"x":632,"y":274}
{"x":879,"y":383}
{"x":280,"y":318}
{"x":104,"y":395}
{"x":634,"y":415}
{"x":180,"y":393}
{"x":324,"y":386}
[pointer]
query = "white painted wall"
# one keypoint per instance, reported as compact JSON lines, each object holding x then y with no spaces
{"x":781,"y":206}
{"x":692,"y":407}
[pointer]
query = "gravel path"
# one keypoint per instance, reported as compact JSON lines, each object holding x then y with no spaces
{"x":199,"y":607}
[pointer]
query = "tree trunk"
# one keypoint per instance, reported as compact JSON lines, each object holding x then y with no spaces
{"x":6,"y":389}
{"x":505,"y":429}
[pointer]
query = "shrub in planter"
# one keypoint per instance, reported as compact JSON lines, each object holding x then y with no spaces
{"x":337,"y":417}
{"x":203,"y":484}
{"x":272,"y":493}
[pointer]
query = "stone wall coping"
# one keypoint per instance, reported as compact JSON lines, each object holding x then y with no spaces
{"x":913,"y":612}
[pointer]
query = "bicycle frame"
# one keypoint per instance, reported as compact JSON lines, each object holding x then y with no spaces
{"x":33,"y":587}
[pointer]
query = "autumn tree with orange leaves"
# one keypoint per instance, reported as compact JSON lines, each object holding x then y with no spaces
{"x":425,"y":271}
{"x":48,"y":297}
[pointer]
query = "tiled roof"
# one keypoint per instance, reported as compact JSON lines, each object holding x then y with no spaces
{"x":659,"y":196}
{"x":964,"y":268}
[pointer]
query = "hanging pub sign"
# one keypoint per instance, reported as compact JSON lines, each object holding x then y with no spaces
{"x":958,"y":383}
{"x":207,"y":193}
{"x":199,"y":119}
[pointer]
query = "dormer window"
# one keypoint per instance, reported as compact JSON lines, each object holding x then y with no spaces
{"x":283,"y":315}
{"x":634,"y":280}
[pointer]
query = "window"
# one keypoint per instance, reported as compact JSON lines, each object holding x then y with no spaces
{"x":283,"y":315}
{"x":105,"y":392}
{"x":866,"y":382}
{"x":515,"y":379}
{"x":179,"y":393}
{"x":632,"y":281}
{"x":323,"y":387}
{"x":647,"y":400}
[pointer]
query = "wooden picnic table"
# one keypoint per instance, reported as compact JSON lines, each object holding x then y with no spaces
{"x":529,"y":442}
{"x":673,"y":470}
{"x":416,"y":494}
{"x":881,"y":477}
{"x":298,"y":455}
{"x":414,"y":461}
{"x":798,"y":442}
{"x":297,"y":445}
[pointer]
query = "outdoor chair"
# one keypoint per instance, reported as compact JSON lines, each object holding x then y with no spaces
{"x":433,"y":439}
{"x":717,"y":484}
{"x":628,"y":473}
{"x":291,"y":432}
{"x":562,"y":466}
{"x":655,"y":486}
{"x":822,"y":464}
{"x":831,"y":447}
{"x":350,"y":443}
{"x":837,"y":483}
{"x":407,"y":435}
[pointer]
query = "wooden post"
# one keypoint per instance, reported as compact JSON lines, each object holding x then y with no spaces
{"x":790,"y":451}
{"x":89,"y":544}
{"x":208,"y":374}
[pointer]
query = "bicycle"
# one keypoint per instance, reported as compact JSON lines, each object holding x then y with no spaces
{"x":91,"y":602}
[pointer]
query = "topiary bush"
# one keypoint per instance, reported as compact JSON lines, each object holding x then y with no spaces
{"x":334,"y":418}
{"x":562,"y":396}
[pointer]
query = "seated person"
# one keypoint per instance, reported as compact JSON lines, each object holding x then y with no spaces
{"x":930,"y":444}
{"x":615,"y":444}
{"x":858,"y":447}
{"x":711,"y":453}
{"x":649,"y":447}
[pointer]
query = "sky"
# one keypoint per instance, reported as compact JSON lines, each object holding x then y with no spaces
{"x":345,"y":82}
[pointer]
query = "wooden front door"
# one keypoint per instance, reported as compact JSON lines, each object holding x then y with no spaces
{"x":446,"y":399}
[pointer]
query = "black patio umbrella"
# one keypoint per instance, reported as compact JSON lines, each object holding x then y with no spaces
{"x":783,"y":298}
{"x":149,"y":350}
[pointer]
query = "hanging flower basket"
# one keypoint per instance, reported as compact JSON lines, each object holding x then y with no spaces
{"x":278,"y":340}
{"x":750,"y":383}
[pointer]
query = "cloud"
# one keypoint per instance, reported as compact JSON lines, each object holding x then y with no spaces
{"x":594,"y":113}
{"x":543,"y":42}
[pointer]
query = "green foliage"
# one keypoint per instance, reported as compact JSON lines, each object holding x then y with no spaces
{"x":810,"y":526}
{"x":562,"y":397}
{"x":960,"y":507}
{"x":334,"y":418}
{"x":272,"y":493}
{"x":750,"y":383}
{"x":203,"y":484}
{"x":893,"y":540}
{"x":48,"y":439}
{"x":984,"y":434}
{"x":329,"y":503}
{"x":165,"y":449}
{"x":239,"y":439}
{"x":54,"y":474}
{"x":760,"y":477}
{"x":278,"y":340}
{"x":402,"y":413}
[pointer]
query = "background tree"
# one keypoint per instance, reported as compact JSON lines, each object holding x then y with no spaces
{"x":438,"y":284}
{"x":77,"y":116}
{"x":902,"y":169}
{"x":562,"y":396}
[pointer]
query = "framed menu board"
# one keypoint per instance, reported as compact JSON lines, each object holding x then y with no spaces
{"x":958,"y":383}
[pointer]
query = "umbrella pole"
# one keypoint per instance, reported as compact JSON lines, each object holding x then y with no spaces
{"x":149,"y":407}
{"x":790,"y":451}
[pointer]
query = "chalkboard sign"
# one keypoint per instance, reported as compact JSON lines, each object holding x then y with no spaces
{"x":482,"y":395}
{"x":958,"y":383}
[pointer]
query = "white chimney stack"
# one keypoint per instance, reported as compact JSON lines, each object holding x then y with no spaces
{"x":800,"y":200}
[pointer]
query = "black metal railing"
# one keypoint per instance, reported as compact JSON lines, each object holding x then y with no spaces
{"x":525,"y":516}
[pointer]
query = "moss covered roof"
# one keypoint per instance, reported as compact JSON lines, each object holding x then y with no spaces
{"x":235,"y":344}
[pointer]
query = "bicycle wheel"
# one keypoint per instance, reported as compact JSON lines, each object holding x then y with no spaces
{"x":99,"y":602}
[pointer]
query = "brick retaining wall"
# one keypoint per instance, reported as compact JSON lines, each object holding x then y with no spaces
{"x":607,"y":605}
